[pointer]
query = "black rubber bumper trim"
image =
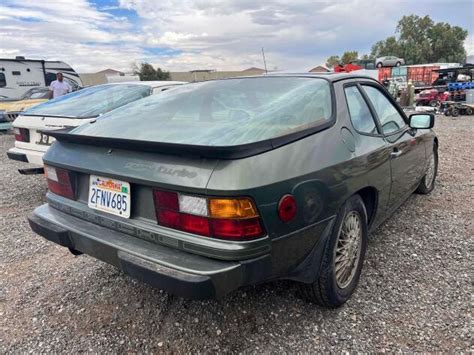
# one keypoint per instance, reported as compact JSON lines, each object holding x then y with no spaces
{"x":195,"y":287}
{"x":17,"y":156}
{"x":50,"y":231}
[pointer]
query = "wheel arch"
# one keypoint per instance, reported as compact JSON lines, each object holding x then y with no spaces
{"x":370,"y":197}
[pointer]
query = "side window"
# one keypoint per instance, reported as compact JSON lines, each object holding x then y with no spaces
{"x":390,"y":118}
{"x":3,"y":80}
{"x":359,"y":112}
{"x":50,"y":77}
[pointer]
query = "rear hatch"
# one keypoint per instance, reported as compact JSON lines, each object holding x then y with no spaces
{"x":143,"y":174}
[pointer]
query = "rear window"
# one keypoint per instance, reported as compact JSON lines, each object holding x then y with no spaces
{"x":91,"y":102}
{"x":221,"y":113}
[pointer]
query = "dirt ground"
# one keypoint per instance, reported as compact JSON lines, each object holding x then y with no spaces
{"x":414,"y":294}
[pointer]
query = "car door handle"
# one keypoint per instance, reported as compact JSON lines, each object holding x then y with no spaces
{"x":396,"y":153}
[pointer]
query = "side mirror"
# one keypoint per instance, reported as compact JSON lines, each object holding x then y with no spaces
{"x":421,"y":120}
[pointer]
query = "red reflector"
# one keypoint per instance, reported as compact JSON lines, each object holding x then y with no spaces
{"x":166,"y":199}
{"x":236,"y":229}
{"x":63,"y":186}
{"x":287,"y":208}
{"x":22,"y":134}
{"x":195,"y":224}
{"x":168,"y":218}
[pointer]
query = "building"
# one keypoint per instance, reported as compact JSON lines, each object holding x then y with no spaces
{"x":319,"y":69}
{"x":210,"y":74}
{"x":111,"y":72}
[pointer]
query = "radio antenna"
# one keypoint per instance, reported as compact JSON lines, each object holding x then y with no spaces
{"x":264,"y":61}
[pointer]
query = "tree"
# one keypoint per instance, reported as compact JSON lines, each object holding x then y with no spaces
{"x":349,"y":56}
{"x":367,"y":57}
{"x":332,"y":61}
{"x":386,"y":47}
{"x":420,"y":40}
{"x":146,"y":72}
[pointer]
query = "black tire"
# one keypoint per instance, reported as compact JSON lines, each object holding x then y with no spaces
{"x":447,"y":112}
{"x":434,"y":103}
{"x":398,"y":64}
{"x":426,"y":187}
{"x":379,"y":65}
{"x":469,"y":111}
{"x":455,"y":112}
{"x":325,"y":290}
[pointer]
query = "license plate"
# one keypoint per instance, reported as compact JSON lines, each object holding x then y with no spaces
{"x":44,"y":139}
{"x":109,"y":195}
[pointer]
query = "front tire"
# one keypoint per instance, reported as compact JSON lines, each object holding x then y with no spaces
{"x":343,"y":257}
{"x":398,"y":64}
{"x":379,"y":65}
{"x":427,"y":184}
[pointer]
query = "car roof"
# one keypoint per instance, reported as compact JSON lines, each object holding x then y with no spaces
{"x":330,"y":76}
{"x":152,"y":84}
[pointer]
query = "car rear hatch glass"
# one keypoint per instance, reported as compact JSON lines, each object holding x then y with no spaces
{"x":90,"y":102}
{"x":229,"y":112}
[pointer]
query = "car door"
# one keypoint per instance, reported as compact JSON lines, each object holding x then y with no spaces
{"x":407,"y":150}
{"x":371,"y":149}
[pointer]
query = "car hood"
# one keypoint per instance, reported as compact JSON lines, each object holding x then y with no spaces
{"x":18,"y":106}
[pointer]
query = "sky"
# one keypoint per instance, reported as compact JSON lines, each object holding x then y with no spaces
{"x":209,"y":34}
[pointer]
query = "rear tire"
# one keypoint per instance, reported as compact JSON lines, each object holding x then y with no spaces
{"x":379,"y":65}
{"x":427,"y":184}
{"x":398,"y":64}
{"x":343,"y":257}
{"x":434,"y":103}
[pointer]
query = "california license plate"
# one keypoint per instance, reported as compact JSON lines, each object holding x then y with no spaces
{"x":109,"y":195}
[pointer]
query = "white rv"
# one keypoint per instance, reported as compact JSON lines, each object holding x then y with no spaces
{"x":19,"y":75}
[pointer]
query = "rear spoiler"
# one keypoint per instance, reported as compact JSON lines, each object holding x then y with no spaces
{"x":201,"y":151}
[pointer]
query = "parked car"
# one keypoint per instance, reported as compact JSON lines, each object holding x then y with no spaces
{"x":389,"y":61}
{"x":72,"y":110}
{"x":10,"y":109}
{"x":225,"y":183}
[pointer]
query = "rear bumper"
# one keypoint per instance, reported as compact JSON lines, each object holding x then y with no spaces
{"x":180,"y":273}
{"x":12,"y":155}
{"x":25,"y":155}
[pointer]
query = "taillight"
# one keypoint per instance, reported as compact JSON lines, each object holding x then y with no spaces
{"x":60,"y":181}
{"x":229,"y":218}
{"x":21,"y":134}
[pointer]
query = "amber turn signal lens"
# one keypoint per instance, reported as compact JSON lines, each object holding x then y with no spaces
{"x":232,"y":208}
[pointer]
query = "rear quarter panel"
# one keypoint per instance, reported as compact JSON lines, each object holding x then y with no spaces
{"x":322,"y":171}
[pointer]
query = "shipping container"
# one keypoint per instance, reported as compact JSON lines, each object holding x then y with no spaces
{"x":399,"y":71}
{"x":385,"y":73}
{"x":422,"y":75}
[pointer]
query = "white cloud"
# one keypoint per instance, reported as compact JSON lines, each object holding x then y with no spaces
{"x":213,"y":34}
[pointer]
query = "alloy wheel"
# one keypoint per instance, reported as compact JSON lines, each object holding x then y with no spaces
{"x":430,"y":172}
{"x":348,"y":249}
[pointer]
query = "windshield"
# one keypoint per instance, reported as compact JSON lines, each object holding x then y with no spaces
{"x":221,"y":112}
{"x":36,"y":93}
{"x":91,"y":102}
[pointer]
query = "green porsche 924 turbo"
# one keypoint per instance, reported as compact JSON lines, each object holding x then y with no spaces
{"x":215,"y":185}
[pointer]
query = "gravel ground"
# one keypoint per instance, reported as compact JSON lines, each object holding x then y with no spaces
{"x":414,"y":294}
